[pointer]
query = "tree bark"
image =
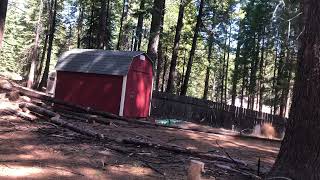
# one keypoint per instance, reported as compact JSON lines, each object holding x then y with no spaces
{"x":137,"y":43}
{"x":192,"y":52}
{"x":206,"y":85}
{"x":164,"y":71}
{"x":90,"y":31}
{"x":227,"y":66}
{"x":261,"y":74}
{"x":80,"y":23}
{"x":235,"y":77}
{"x":175,"y":50}
{"x":123,"y":19}
{"x":299,"y":153}
{"x":34,"y":53}
{"x":3,"y":14}
{"x":160,"y":51}
{"x":158,"y":8}
{"x":51,"y":37}
{"x":223,"y":71}
{"x":40,"y":65}
{"x":103,"y":26}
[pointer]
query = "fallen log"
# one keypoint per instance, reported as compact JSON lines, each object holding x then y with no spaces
{"x":61,"y":122}
{"x":56,"y":119}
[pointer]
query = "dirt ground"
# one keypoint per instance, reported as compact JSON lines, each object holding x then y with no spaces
{"x":41,"y":150}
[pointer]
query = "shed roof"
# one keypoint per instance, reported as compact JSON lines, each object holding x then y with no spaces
{"x":97,"y":61}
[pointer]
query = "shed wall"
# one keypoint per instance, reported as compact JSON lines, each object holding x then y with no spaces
{"x":101,"y":92}
{"x":139,"y":88}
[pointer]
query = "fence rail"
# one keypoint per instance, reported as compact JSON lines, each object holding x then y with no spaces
{"x":207,"y":112}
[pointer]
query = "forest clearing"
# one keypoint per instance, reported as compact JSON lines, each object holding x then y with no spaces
{"x":160,"y":89}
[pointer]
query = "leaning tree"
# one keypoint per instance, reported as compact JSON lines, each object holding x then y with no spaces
{"x":299,"y":156}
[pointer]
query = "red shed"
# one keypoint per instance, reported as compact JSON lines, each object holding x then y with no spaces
{"x":119,"y":82}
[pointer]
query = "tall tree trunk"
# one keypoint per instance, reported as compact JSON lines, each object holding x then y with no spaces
{"x":158,"y":8}
{"x":253,"y":73}
{"x":192,"y":52}
{"x":223,"y":71}
{"x":51,"y":37}
{"x":160,"y":53}
{"x":227,"y":66}
{"x":206,"y":85}
{"x":235,"y":77}
{"x":122,"y":38}
{"x":102,"y":25}
{"x":80,"y":23}
{"x":137,"y":43}
{"x":261,"y":74}
{"x":299,"y":153}
{"x":40,"y":64}
{"x":175,"y":50}
{"x":244,"y":84}
{"x":34,"y":53}
{"x":164,"y":70}
{"x":3,"y":13}
{"x":90,"y":43}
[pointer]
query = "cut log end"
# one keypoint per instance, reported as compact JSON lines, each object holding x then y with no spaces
{"x":13,"y":95}
{"x":195,"y":170}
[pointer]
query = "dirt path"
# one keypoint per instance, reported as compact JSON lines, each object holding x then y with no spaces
{"x":44,"y":151}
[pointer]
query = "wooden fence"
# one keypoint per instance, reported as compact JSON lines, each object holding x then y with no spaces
{"x":206,"y":112}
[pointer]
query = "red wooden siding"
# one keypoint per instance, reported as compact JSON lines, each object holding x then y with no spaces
{"x":101,"y":92}
{"x":139,"y":88}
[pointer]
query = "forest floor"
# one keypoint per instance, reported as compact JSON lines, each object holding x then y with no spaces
{"x":43,"y":150}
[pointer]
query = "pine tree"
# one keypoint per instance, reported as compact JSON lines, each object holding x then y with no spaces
{"x":192,"y":52}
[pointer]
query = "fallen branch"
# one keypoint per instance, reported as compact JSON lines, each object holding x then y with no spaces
{"x":250,"y":175}
{"x":226,"y":153}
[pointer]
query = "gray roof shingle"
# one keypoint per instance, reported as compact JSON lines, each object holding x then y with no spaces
{"x":97,"y":61}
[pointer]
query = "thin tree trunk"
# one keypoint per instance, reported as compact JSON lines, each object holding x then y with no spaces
{"x":185,"y":85}
{"x":261,"y":75}
{"x":132,"y":40}
{"x":34,"y":53}
{"x":206,"y":85}
{"x":227,"y":67}
{"x":137,"y":43}
{"x":123,"y":19}
{"x":223,"y":71}
{"x":80,"y":24}
{"x":175,"y":50}
{"x":160,"y":53}
{"x":91,"y":27}
{"x":243,"y":84}
{"x":253,"y":74}
{"x":158,"y":8}
{"x":164,"y":70}
{"x":235,"y":77}
{"x":40,"y":65}
{"x":299,"y":153}
{"x":51,"y":37}
{"x":108,"y":37}
{"x":103,"y":26}
{"x":3,"y":13}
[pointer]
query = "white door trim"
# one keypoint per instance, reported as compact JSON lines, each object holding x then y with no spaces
{"x":151,"y":96}
{"x":123,"y":95}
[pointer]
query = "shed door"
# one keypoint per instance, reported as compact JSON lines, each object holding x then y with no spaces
{"x":137,"y":102}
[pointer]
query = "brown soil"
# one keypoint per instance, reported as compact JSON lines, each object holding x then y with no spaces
{"x":42,"y":150}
